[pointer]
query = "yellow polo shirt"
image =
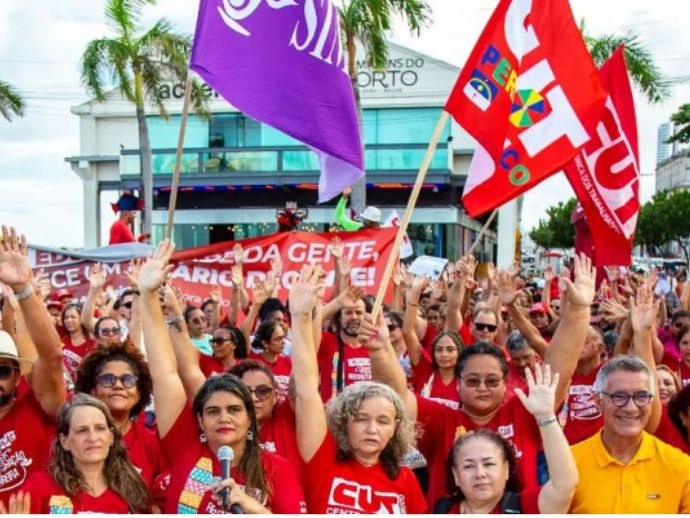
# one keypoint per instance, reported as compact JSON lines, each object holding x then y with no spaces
{"x":656,"y":480}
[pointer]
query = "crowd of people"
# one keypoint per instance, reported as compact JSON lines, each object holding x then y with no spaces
{"x":468,"y":394}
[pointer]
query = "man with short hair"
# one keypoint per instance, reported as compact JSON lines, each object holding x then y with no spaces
{"x":623,"y":469}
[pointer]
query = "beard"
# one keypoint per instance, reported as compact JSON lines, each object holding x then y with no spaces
{"x":352,"y":329}
{"x":6,"y":398}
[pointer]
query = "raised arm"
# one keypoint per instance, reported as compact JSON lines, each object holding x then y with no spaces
{"x":309,"y":410}
{"x":25,"y":346}
{"x":414,"y":348}
{"x":565,"y":347}
{"x":15,"y":271}
{"x":238,"y":254}
{"x":135,"y":328}
{"x":340,"y":216}
{"x":557,"y":493}
{"x":259,"y":296}
{"x":456,"y":295}
{"x":96,"y":282}
{"x":215,"y":297}
{"x":168,"y":390}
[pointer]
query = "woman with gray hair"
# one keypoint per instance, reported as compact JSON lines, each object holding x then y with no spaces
{"x":353,"y":450}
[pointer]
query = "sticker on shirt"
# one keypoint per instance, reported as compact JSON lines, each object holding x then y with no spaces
{"x":359,"y":369}
{"x":581,"y":405}
{"x":347,"y":497}
{"x":13,"y":464}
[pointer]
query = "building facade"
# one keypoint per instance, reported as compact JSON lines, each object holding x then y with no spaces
{"x":674,"y":172}
{"x":236,"y":172}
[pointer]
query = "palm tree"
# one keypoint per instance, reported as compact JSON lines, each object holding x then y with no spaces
{"x":10,"y":101}
{"x":644,"y":72}
{"x":681,"y":122}
{"x":138,"y":60}
{"x":368,"y":22}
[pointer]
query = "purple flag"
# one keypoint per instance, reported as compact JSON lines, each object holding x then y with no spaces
{"x":281,"y":63}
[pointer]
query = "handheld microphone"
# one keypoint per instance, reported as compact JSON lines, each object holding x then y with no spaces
{"x":225,"y":456}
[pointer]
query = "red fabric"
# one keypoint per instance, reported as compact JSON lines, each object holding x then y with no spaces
{"x":668,"y":433}
{"x":72,"y":355}
{"x":26,"y":435}
{"x":144,"y":450}
{"x":529,"y":503}
{"x":210,"y":365}
{"x":120,"y":233}
{"x":428,"y":382}
{"x":678,"y":366}
{"x":428,"y":338}
{"x":515,"y":380}
{"x":346,"y":487}
{"x":281,"y":369}
{"x":440,"y":426}
{"x":584,"y":418}
{"x":466,"y":334}
{"x":605,"y":173}
{"x":42,"y":487}
{"x":182,"y":448}
{"x":671,"y":350}
{"x":548,"y":78}
{"x":278,"y":435}
{"x":356,"y":366}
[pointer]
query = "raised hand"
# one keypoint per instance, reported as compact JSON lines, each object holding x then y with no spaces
{"x":237,"y":252}
{"x":260,"y":293}
{"x":611,"y":273}
{"x":345,"y":268}
{"x":9,"y":298}
{"x":542,"y":392}
{"x":132,"y":273}
{"x":419,"y":284}
{"x":506,"y":287}
{"x":396,"y":276}
{"x":613,"y":310}
{"x":237,"y":276}
{"x":643,"y":309}
{"x":154,"y":271}
{"x":215,"y":295}
{"x":97,"y":277}
{"x":581,"y":293}
{"x":171,"y":303}
{"x":549,"y":276}
{"x":304,"y":291}
{"x":372,"y":335}
{"x":277,"y":267}
{"x":337,"y":248}
{"x":15,"y":269}
{"x":19,"y":503}
{"x":350,"y":296}
{"x":271,"y":284}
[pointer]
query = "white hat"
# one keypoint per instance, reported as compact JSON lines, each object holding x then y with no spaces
{"x":7,"y":347}
{"x":371,"y":214}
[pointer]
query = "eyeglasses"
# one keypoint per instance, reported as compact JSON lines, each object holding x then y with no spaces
{"x":109,"y":380}
{"x":488,"y":382}
{"x":485,"y":327}
{"x":620,"y":399}
{"x":127,"y":305}
{"x":678,"y":324}
{"x":109,"y":331}
{"x":219,"y":340}
{"x":6,"y":371}
{"x":392,"y":327}
{"x":262,"y":392}
{"x":199,"y":320}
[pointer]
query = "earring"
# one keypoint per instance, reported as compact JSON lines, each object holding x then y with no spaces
{"x":250,"y":435}
{"x":202,"y":437}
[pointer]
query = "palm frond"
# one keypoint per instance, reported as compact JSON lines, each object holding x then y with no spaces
{"x":11,"y":102}
{"x":124,"y":15}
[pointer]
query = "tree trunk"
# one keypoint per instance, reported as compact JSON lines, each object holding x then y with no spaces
{"x":358,"y":199}
{"x":145,"y":154}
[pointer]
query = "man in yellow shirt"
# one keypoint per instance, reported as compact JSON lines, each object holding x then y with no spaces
{"x":623,"y":469}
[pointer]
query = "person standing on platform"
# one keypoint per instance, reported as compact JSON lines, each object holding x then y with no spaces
{"x":121,"y":231}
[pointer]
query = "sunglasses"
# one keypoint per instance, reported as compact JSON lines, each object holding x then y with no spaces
{"x":620,"y":399}
{"x":109,"y":380}
{"x":488,"y":382}
{"x":219,"y":340}
{"x":127,"y":305}
{"x":392,"y":327}
{"x":485,"y":327}
{"x":262,"y":392}
{"x":112,"y":331}
{"x":6,"y":371}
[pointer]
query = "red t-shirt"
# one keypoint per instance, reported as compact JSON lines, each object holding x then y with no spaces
{"x":281,"y":368}
{"x":356,"y":366}
{"x":529,"y":503}
{"x":193,"y":464}
{"x":120,"y":233}
{"x":348,"y":487}
{"x":440,"y":427}
{"x":143,"y":448}
{"x":72,"y":355}
{"x":26,"y":436}
{"x":428,"y":383}
{"x":514,"y":380}
{"x":277,"y":435}
{"x":583,"y":419}
{"x":668,"y":433}
{"x":678,"y":366}
{"x":428,"y":338}
{"x":48,"y":498}
{"x":210,"y":365}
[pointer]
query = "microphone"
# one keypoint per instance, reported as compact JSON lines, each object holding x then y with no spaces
{"x":225,"y":456}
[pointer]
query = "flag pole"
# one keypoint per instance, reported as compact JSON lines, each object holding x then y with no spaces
{"x":178,"y":155}
{"x":404,"y":222}
{"x":482,"y":232}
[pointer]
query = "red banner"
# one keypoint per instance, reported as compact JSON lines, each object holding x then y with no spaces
{"x":198,"y":269}
{"x":530,"y":95}
{"x":605,"y":174}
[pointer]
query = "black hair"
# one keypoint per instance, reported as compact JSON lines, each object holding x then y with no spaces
{"x":480,"y":348}
{"x":677,"y":315}
{"x":97,"y":327}
{"x":269,"y":307}
{"x":188,"y":312}
{"x":264,"y":333}
{"x":237,"y":337}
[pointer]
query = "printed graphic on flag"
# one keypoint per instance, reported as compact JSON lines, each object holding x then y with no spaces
{"x":528,"y":108}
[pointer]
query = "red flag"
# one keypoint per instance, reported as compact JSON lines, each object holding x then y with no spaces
{"x":605,"y":174}
{"x":529,"y":94}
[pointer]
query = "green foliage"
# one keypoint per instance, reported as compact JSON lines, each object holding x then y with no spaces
{"x":11,"y":102}
{"x":681,"y":121}
{"x":663,"y":219}
{"x":556,"y":231}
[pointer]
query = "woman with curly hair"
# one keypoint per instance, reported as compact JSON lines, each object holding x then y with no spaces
{"x":118,"y":375}
{"x":482,"y":466}
{"x":222,"y":414}
{"x":90,"y":471}
{"x":353,"y":450}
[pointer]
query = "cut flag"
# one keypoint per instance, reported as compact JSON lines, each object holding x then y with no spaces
{"x":530,"y":95}
{"x":282,"y":64}
{"x":606,"y":175}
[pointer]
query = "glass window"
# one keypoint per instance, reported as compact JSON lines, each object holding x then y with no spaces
{"x":164,"y":134}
